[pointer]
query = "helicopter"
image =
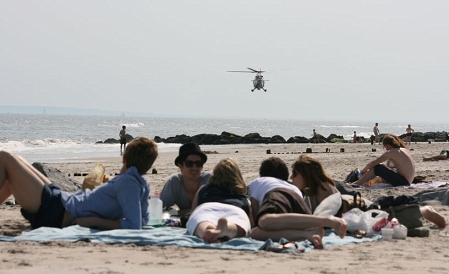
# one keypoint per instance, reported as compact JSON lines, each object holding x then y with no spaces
{"x":258,"y":81}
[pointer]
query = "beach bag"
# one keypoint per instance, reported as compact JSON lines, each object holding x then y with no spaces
{"x":407,"y":214}
{"x":353,"y":176}
{"x":404,"y":208}
{"x":345,"y":188}
{"x":95,"y":177}
{"x":349,"y":202}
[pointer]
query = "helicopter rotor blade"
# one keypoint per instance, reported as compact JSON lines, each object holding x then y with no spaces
{"x":240,"y":71}
{"x":256,"y":71}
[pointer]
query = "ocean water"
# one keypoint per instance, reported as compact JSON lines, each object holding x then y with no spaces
{"x":52,"y":138}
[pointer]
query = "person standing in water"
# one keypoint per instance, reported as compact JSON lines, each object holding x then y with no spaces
{"x":122,"y":136}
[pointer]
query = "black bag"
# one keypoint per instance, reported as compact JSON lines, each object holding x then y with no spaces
{"x":352,"y":176}
{"x":345,"y":188}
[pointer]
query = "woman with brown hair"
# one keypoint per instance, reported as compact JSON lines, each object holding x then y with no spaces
{"x":312,"y":180}
{"x":220,"y":209}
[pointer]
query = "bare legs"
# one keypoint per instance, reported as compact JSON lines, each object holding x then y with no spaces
{"x":224,"y":229}
{"x":369,"y":175}
{"x":294,"y":226}
{"x":435,"y":158}
{"x":431,"y":215}
{"x":22,"y":180}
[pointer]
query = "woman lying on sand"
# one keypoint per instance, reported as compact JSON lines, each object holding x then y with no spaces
{"x":220,"y":209}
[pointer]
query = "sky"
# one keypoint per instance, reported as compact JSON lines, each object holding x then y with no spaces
{"x":380,"y":61}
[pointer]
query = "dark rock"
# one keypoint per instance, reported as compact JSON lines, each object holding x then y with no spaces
{"x":297,"y":139}
{"x":57,"y":177}
{"x":226,"y":138}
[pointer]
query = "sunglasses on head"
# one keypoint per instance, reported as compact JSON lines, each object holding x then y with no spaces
{"x":191,"y":163}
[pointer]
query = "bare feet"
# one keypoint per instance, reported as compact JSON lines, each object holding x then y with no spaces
{"x":315,"y":236}
{"x":338,"y":225}
{"x":224,"y":230}
{"x":431,"y":215}
{"x":211,"y":235}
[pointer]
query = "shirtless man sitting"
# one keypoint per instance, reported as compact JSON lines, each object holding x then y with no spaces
{"x":399,"y":171}
{"x":400,"y":168}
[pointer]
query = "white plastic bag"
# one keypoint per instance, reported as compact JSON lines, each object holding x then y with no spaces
{"x":359,"y":220}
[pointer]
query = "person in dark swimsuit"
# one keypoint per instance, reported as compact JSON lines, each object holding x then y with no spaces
{"x":122,"y":136}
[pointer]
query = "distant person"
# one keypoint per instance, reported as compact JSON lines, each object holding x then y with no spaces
{"x":399,"y":169}
{"x":220,"y":209}
{"x":354,"y":138}
{"x":122,"y":202}
{"x":376,"y":133}
{"x":409,"y":130}
{"x":444,"y":154}
{"x":180,"y":188}
{"x":315,"y":136}
{"x":122,"y":136}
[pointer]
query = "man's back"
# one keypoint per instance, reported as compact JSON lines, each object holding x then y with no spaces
{"x":403,"y":161}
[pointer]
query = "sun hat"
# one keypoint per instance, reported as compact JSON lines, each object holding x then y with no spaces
{"x":187,"y":149}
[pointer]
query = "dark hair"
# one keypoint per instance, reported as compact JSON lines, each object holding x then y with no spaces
{"x":393,"y":140}
{"x":313,"y":173}
{"x":274,"y":167}
{"x":141,"y":153}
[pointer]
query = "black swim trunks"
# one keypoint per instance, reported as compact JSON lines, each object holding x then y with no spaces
{"x":282,"y":200}
{"x":392,"y":177}
{"x":51,"y":211}
{"x":122,"y":140}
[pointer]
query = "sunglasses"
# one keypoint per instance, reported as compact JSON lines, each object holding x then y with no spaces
{"x":191,"y":163}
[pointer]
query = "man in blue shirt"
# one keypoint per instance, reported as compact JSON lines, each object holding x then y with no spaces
{"x":119,"y":203}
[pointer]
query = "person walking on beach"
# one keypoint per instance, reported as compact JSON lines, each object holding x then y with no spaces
{"x":354,"y":138}
{"x":376,"y":133}
{"x":122,"y":136}
{"x":180,"y":188}
{"x":279,"y":210}
{"x":409,"y":130}
{"x":399,"y":169}
{"x":122,"y":202}
{"x":220,"y":209}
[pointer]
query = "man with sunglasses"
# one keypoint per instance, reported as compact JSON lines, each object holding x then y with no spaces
{"x":180,"y":188}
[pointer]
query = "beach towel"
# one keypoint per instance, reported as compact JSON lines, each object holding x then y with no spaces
{"x":163,"y":236}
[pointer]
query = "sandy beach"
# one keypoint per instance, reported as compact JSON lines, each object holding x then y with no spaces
{"x":412,"y":255}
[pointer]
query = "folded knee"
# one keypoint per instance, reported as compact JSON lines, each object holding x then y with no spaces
{"x":264,"y":222}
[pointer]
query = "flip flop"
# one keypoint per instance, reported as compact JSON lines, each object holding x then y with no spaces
{"x":286,"y":247}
